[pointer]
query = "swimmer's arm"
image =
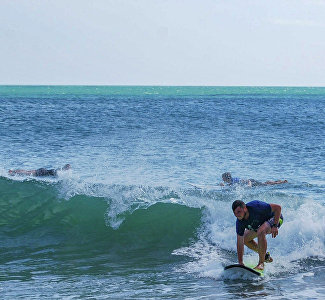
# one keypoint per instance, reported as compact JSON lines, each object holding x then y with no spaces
{"x":240,"y":249}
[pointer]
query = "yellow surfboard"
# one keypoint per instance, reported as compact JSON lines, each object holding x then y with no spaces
{"x":246,"y":269}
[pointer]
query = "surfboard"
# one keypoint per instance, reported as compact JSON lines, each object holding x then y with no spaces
{"x":244,"y":270}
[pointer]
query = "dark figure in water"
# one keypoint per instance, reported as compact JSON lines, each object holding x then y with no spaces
{"x":42,"y":172}
{"x":229,"y":180}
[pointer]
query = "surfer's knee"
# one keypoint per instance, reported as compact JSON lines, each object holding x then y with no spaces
{"x":263,"y":230}
{"x":261,"y":234}
{"x":249,"y":235}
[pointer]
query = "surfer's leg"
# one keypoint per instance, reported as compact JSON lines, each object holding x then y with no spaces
{"x":275,"y":182}
{"x":262,"y":231}
{"x":21,"y":172}
{"x":249,"y":237}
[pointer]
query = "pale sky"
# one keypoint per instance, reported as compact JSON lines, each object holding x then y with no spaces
{"x":163,"y":42}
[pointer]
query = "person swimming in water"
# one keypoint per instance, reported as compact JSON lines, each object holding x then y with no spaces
{"x":42,"y":172}
{"x":229,"y":180}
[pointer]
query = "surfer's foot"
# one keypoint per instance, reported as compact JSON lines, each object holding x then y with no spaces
{"x":260,"y":267}
{"x":268,"y":258}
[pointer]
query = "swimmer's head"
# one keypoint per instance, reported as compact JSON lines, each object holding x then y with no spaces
{"x":226,"y":177}
{"x":66,"y":167}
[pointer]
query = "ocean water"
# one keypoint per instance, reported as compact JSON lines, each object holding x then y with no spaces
{"x":125,"y":221}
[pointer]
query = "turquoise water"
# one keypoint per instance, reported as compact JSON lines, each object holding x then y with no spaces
{"x":32,"y":91}
{"x":125,"y":222}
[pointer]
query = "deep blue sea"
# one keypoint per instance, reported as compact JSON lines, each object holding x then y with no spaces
{"x":126,"y":221}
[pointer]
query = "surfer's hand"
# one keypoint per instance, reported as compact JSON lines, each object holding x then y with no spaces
{"x":274,"y":231}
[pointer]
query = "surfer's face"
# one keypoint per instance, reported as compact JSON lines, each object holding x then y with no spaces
{"x":240,"y":212}
{"x":226,"y":177}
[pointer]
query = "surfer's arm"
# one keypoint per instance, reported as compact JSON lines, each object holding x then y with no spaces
{"x":240,"y":249}
{"x":276,"y":209}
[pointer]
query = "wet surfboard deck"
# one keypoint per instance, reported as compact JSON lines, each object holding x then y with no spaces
{"x":244,"y":270}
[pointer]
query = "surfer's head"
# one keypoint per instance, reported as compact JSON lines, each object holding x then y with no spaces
{"x":226,"y":177}
{"x":66,"y":167}
{"x":239,"y":209}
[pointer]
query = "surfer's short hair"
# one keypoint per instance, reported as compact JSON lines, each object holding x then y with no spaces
{"x":237,"y":203}
{"x":66,"y":167}
{"x":226,"y":176}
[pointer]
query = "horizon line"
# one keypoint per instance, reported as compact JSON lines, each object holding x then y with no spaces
{"x":163,"y":85}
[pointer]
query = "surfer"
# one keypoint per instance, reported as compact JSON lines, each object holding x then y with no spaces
{"x":256,"y":219}
{"x":42,"y":172}
{"x":229,"y":180}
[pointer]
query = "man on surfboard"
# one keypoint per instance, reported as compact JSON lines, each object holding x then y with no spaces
{"x":256,"y":219}
{"x":229,"y":180}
